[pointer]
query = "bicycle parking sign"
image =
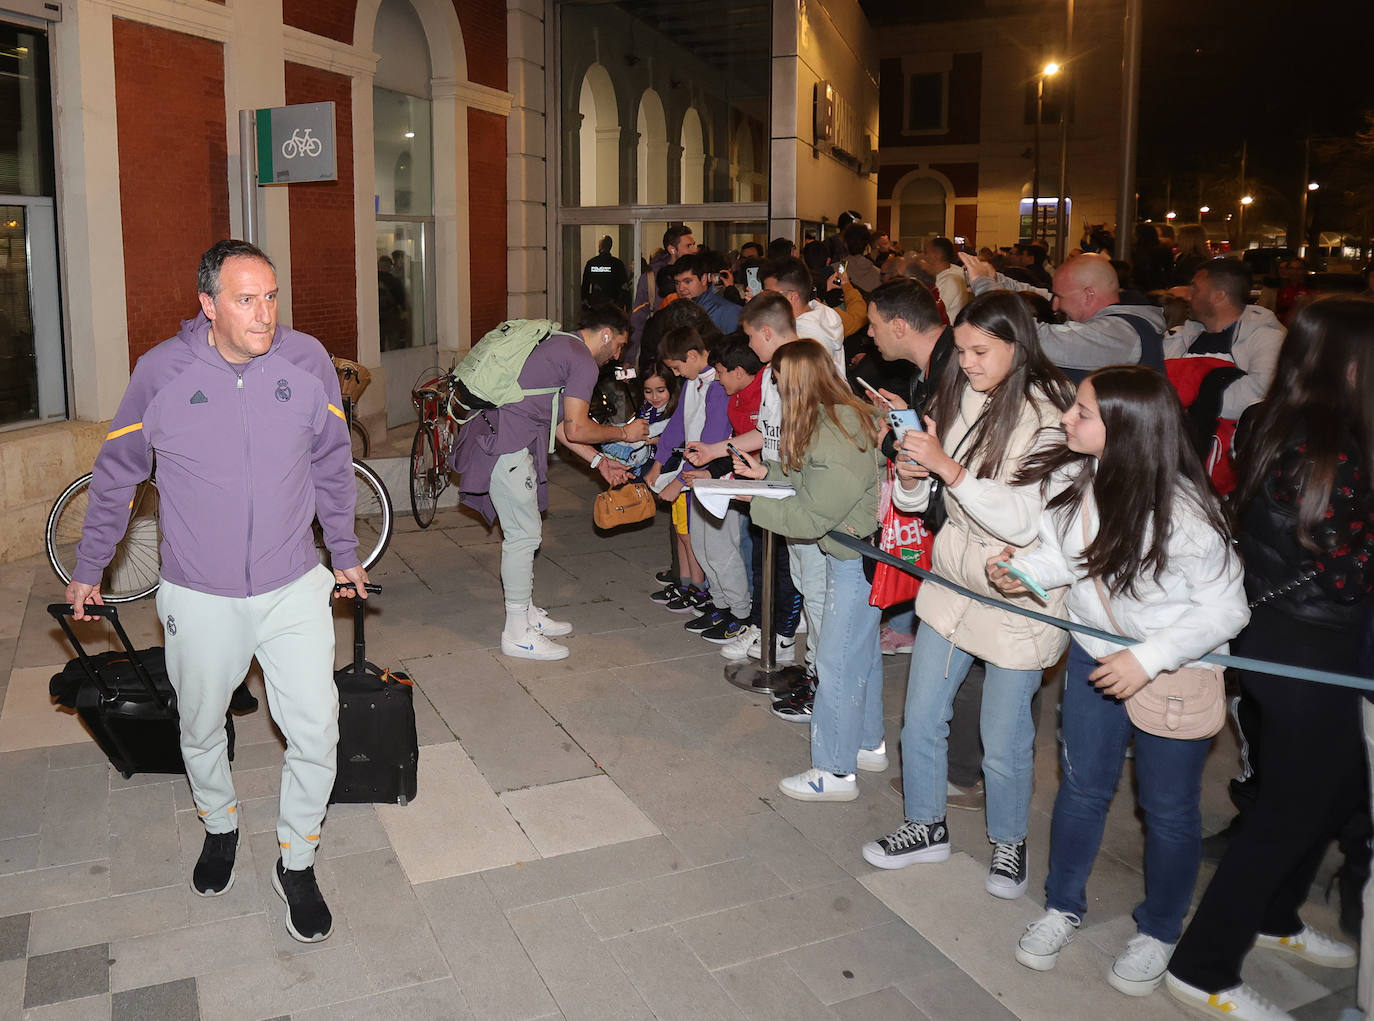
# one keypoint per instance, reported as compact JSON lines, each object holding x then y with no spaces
{"x":296,"y":143}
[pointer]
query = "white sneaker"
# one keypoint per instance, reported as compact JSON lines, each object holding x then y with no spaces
{"x":546,"y":625}
{"x":874,"y":761}
{"x":532,"y":645}
{"x":737,"y":649}
{"x":1039,"y":946}
{"x":1239,"y":1003}
{"x":784,"y":649}
{"x":1314,"y":946}
{"x":818,"y":785}
{"x":1140,"y":968}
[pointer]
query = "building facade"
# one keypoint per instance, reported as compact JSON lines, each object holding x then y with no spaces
{"x":481,"y":150}
{"x":959,"y":98}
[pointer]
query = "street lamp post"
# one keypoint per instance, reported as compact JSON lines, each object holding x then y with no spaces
{"x":1245,"y":202}
{"x":1045,"y":72}
{"x":1305,"y":235}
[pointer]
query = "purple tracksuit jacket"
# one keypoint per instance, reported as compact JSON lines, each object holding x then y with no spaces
{"x":247,"y":456}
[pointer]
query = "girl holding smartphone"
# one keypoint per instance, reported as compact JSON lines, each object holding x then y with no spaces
{"x":1136,"y":531}
{"x":997,"y":404}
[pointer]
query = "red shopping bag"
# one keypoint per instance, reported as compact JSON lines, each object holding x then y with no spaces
{"x":906,"y":537}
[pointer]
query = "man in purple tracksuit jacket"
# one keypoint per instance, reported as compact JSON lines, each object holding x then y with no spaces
{"x":244,"y":418}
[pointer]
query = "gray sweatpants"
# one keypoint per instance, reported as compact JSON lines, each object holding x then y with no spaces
{"x":807,"y":564}
{"x":716,"y":545}
{"x":211,"y":640}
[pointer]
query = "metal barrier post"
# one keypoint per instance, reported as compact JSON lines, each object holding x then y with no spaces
{"x":765,"y":677}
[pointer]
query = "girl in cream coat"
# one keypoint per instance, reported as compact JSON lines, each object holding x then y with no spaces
{"x":998,"y":406}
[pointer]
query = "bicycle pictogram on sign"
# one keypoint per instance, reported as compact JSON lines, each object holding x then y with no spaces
{"x":301,"y":143}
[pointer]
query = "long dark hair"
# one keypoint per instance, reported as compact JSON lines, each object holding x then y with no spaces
{"x":1006,"y":317}
{"x":1147,"y":466}
{"x":1314,"y":399}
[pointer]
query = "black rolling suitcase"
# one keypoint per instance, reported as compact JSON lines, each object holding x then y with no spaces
{"x":379,"y":753}
{"x":125,"y":699}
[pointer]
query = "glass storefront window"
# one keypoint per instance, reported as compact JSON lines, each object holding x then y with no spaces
{"x":26,"y":164}
{"x":404,"y":284}
{"x":664,"y":103}
{"x":404,"y":155}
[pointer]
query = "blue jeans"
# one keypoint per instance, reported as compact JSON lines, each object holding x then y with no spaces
{"x":848,"y":712}
{"x":938,"y":669}
{"x":1169,"y":773}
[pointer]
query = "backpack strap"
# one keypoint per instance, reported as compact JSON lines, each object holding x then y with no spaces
{"x":1151,"y":340}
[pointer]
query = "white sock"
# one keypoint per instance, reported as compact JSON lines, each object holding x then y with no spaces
{"x":517,"y":618}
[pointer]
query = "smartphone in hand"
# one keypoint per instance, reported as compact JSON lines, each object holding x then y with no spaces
{"x":1024,"y":578}
{"x":903,"y":419}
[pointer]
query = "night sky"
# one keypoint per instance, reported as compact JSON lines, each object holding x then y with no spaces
{"x":1217,"y":72}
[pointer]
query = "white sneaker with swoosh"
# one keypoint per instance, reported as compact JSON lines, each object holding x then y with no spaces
{"x":530,"y":644}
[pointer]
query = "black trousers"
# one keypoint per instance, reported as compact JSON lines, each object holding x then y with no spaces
{"x":1311,"y":758}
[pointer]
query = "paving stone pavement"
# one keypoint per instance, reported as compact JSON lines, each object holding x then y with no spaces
{"x":600,"y":837}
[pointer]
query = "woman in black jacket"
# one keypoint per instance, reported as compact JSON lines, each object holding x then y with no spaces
{"x":1306,"y":517}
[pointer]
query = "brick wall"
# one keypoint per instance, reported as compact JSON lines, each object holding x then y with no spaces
{"x":324,"y":297}
{"x":173,"y":171}
{"x":332,"y":19}
{"x":487,"y":218}
{"x":484,"y":38}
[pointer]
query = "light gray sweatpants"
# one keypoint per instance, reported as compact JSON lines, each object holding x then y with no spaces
{"x":807,"y":565}
{"x":515,"y":495}
{"x":211,"y":640}
{"x":715,"y":544}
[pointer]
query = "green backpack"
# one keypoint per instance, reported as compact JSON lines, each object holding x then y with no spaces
{"x":488,"y":376}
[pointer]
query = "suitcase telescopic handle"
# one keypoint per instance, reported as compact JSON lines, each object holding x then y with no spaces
{"x":61,"y":611}
{"x":359,"y":646}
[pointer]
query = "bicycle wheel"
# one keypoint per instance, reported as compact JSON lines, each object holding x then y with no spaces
{"x":134,"y":571}
{"x":358,"y":437}
{"x":424,"y":471}
{"x":373,"y":520}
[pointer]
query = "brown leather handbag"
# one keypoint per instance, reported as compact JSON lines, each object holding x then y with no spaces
{"x":623,"y":505}
{"x":1188,"y":704}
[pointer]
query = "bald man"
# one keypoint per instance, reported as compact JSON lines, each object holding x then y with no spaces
{"x":1100,"y":331}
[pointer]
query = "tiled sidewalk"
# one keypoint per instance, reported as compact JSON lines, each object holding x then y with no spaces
{"x":596,"y":838}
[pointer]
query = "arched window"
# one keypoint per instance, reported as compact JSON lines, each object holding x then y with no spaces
{"x":598,"y":140}
{"x":693,"y":158}
{"x":921,"y":211}
{"x":403,"y":161}
{"x":652,"y":125}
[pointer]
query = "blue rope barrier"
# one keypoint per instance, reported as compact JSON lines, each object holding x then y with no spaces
{"x":1258,"y":666}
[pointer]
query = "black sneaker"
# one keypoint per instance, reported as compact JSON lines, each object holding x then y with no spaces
{"x":666,"y":576}
{"x":912,"y":842}
{"x":796,"y":707}
{"x":1007,"y":873}
{"x":710,"y":617}
{"x":666,"y":594}
{"x":214,"y":871}
{"x":727,"y":630}
{"x":307,"y":916}
{"x":687,"y":601}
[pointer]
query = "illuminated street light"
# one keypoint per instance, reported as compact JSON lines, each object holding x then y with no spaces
{"x":1312,"y":185}
{"x":1247,"y":199}
{"x":1045,"y":72}
{"x":1170,"y":216}
{"x":1205,"y":209}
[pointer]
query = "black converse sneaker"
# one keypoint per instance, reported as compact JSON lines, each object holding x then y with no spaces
{"x":913,"y":842}
{"x":307,"y":916}
{"x":1007,"y":873}
{"x":214,"y":871}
